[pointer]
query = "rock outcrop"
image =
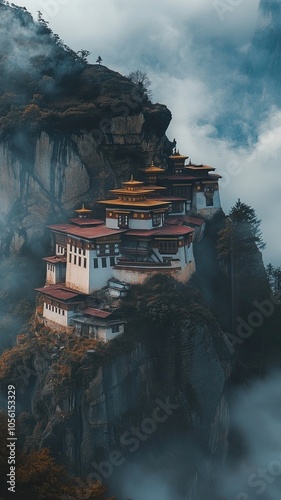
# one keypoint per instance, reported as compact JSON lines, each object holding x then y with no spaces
{"x":45,"y":176}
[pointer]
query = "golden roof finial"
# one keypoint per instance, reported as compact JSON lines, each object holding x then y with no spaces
{"x":132,"y":177}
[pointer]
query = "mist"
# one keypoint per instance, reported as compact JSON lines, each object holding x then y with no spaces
{"x":256,"y":417}
{"x":253,"y":469}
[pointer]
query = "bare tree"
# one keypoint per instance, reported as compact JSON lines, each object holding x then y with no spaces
{"x":142,"y":80}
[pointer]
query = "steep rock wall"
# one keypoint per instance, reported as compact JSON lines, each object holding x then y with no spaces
{"x":85,"y":421}
{"x":44,"y":176}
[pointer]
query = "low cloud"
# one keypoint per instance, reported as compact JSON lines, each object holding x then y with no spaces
{"x":257,"y":418}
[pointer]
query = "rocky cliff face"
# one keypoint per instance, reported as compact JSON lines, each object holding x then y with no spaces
{"x":45,"y":176}
{"x":86,"y":417}
{"x":69,"y":131}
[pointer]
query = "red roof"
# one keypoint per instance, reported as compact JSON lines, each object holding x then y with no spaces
{"x":62,"y":228}
{"x":99,"y":313}
{"x":89,"y":233}
{"x":166,"y":230}
{"x":84,"y":221}
{"x":59,"y":292}
{"x":175,"y":219}
{"x":55,"y":259}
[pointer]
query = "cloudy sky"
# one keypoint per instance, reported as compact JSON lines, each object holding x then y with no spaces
{"x":192,"y":51}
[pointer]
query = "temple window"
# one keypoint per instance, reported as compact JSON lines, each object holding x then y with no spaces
{"x":181,"y":191}
{"x":103,"y":262}
{"x":60,"y":250}
{"x":96,"y":263}
{"x":156,"y":220}
{"x":209,"y":194}
{"x":177,"y":207}
{"x":123,"y":220}
{"x":168,"y":247}
{"x":209,"y":201}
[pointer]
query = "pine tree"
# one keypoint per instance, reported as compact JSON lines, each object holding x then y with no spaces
{"x":274,"y":278}
{"x":247,"y":225}
{"x":238,"y":246}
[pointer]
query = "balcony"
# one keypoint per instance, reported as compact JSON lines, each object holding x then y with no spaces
{"x":124,"y":263}
{"x":131,"y":250}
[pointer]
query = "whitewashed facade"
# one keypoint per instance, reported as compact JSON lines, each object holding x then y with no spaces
{"x":146,"y":231}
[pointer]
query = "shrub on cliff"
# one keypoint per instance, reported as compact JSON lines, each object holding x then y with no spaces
{"x":162,"y":303}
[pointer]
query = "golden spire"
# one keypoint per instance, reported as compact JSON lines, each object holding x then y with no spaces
{"x":83,"y":212}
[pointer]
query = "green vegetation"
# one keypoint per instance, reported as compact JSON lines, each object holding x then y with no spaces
{"x":257,"y":342}
{"x":239,"y":244}
{"x":162,"y":303}
{"x":274,"y":278}
{"x":35,"y":65}
{"x":45,"y":85}
{"x":241,"y":231}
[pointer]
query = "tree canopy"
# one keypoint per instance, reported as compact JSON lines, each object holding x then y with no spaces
{"x":274,"y":278}
{"x":241,"y":231}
